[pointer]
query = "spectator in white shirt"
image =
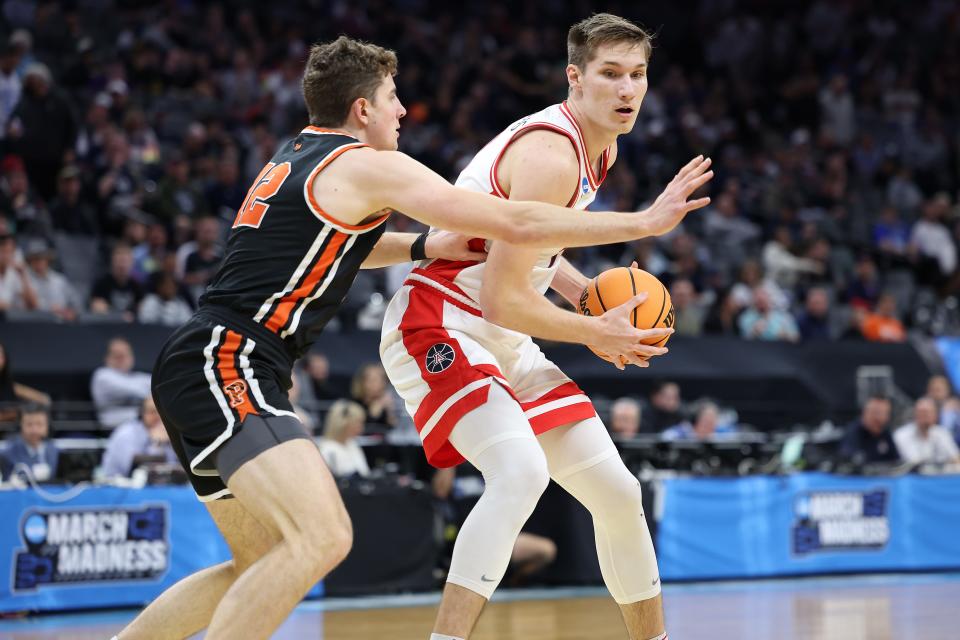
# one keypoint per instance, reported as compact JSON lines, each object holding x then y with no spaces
{"x":16,"y":292}
{"x":931,"y":239}
{"x":165,"y":306}
{"x":142,"y":437}
{"x":117,"y":389}
{"x":339,"y":446}
{"x":54,"y":292}
{"x":923,"y":440}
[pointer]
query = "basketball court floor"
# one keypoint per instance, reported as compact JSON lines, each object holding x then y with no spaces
{"x":885,"y":607}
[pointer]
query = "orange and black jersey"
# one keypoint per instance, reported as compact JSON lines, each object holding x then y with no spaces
{"x":289,"y":264}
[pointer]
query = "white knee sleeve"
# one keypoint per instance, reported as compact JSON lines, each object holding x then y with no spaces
{"x":584,"y":461}
{"x":497,"y":439}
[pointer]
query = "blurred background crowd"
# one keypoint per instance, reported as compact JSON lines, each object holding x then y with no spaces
{"x":130,"y":132}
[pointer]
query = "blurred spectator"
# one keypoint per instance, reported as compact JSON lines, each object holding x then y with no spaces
{"x":164,"y":306}
{"x":923,"y":440}
{"x":10,"y":85}
{"x":316,"y":385}
{"x":142,"y":437}
{"x":42,"y":128}
{"x":117,"y":390}
{"x":339,"y":446}
{"x":689,"y":314}
{"x":869,"y":439}
{"x":751,"y":276}
{"x":891,"y":235}
{"x":781,"y":264}
{"x":201,"y":263}
{"x":948,"y":404}
{"x":69,"y":212}
{"x":624,"y":418}
{"x":119,"y":184}
{"x":814,"y":321}
{"x":31,"y":446}
{"x":148,"y":255}
{"x":883,"y":325}
{"x":762,"y":322}
{"x":727,"y":231}
{"x":664,"y":410}
{"x":117,"y":291}
{"x":723,"y":315}
{"x":838,"y":111}
{"x":54,"y":292}
{"x":12,"y":393}
{"x":369,"y":388}
{"x":930,"y":239}
{"x":226,"y":192}
{"x":864,"y":290}
{"x":306,"y":417}
{"x":16,"y":291}
{"x":705,"y":424}
{"x":531,"y":553}
{"x":178,"y":193}
{"x":16,"y":196}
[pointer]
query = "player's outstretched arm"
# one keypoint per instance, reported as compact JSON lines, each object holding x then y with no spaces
{"x":395,"y":248}
{"x":389,"y":179}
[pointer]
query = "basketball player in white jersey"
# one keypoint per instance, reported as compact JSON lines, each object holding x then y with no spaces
{"x":456,"y":345}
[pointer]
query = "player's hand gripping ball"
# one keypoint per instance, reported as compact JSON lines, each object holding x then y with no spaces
{"x":615,"y":286}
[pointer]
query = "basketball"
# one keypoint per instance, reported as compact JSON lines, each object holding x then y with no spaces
{"x":615,"y":286}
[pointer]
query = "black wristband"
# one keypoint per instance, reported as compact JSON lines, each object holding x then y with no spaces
{"x":418,"y":250}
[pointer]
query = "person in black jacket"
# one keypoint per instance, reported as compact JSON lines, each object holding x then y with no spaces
{"x":869,"y":440}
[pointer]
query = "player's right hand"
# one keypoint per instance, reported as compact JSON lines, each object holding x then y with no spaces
{"x":673,"y":204}
{"x":623,"y":343}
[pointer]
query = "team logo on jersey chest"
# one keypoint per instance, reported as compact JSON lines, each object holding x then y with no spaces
{"x":439,"y":357}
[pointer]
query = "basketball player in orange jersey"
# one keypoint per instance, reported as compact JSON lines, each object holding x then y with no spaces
{"x":312,"y":218}
{"x":456,"y":345}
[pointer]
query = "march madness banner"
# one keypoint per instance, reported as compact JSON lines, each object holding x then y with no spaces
{"x":807,"y":523}
{"x":106,"y":547}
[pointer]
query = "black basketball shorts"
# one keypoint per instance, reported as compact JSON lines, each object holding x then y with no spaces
{"x":216,"y":376}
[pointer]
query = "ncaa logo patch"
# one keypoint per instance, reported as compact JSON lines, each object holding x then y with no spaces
{"x":585,"y":185}
{"x":439,"y":357}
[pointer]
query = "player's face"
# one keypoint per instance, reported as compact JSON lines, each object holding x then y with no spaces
{"x":613,"y":85}
{"x":384,"y":113}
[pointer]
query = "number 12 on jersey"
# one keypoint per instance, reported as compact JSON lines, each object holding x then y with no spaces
{"x":266,"y":186}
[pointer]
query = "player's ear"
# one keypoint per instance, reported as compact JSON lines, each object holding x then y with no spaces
{"x":573,"y":77}
{"x":359,"y":109}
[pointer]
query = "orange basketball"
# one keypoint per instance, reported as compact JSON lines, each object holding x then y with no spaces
{"x":613,"y":287}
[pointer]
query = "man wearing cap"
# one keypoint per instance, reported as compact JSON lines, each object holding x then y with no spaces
{"x":54,"y":292}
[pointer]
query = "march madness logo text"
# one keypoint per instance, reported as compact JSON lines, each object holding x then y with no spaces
{"x":841,"y":520}
{"x":91,"y":545}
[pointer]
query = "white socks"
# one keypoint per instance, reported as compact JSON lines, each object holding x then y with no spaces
{"x":440,"y":636}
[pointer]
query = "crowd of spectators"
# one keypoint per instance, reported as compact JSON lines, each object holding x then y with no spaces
{"x":129,"y":133}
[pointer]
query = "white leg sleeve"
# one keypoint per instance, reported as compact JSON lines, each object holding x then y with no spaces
{"x":583,"y":460}
{"x":497,"y":439}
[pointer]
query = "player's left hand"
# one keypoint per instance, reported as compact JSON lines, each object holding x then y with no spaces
{"x":447,"y":245}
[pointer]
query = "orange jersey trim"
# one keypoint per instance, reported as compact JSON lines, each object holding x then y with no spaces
{"x":229,"y":374}
{"x":318,"y":210}
{"x":279,"y":318}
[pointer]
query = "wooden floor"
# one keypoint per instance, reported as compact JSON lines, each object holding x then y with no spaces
{"x":871,"y":608}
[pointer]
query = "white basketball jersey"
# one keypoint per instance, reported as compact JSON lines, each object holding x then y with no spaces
{"x":481,"y":175}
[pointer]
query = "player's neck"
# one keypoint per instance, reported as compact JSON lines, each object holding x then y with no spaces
{"x":595,"y":138}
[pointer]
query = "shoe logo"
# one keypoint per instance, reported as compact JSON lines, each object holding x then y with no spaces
{"x":484,"y":578}
{"x":654,"y":583}
{"x":439,"y":357}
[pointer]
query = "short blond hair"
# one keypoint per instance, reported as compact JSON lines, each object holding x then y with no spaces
{"x":339,"y":417}
{"x":585,"y":37}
